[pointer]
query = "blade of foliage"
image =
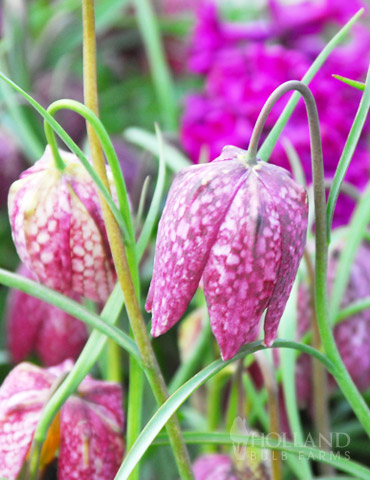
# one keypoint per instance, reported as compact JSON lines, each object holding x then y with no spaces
{"x":160,"y":418}
{"x":159,"y":69}
{"x":12,"y":280}
{"x":156,"y":201}
{"x":356,"y":229}
{"x":174,"y":159}
{"x":287,"y":329}
{"x":343,"y":464}
{"x":269,"y":143}
{"x":351,"y":83}
{"x":348,"y":151}
{"x":352,"y":309}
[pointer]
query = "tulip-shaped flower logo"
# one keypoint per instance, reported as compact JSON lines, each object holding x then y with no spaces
{"x":242,"y":229}
{"x":88,"y":432}
{"x":58,"y":228}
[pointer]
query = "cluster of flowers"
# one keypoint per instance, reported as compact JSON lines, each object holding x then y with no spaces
{"x":243,"y":63}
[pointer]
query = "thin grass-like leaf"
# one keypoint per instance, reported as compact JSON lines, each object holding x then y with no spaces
{"x":348,"y":151}
{"x":287,"y":330}
{"x":355,"y":233}
{"x":156,"y":201}
{"x":224,"y":438}
{"x":160,"y":418}
{"x":73,"y":308}
{"x":174,"y":159}
{"x":270,"y":142}
{"x":351,"y":83}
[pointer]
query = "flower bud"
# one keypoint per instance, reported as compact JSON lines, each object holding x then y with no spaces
{"x":36,"y":326}
{"x":58,"y":228}
{"x":240,"y":227}
{"x":89,"y":430}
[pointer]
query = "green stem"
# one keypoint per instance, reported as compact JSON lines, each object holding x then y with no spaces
{"x":158,"y":65}
{"x":122,"y":259}
{"x":352,"y":309}
{"x":165,"y":411}
{"x":341,"y":374}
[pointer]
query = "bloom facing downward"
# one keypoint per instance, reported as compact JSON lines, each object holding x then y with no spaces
{"x":89,"y":430}
{"x":243,"y":228}
{"x":58,"y":228}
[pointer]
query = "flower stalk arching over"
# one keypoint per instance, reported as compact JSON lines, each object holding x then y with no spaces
{"x":241,"y":227}
{"x":58,"y":228}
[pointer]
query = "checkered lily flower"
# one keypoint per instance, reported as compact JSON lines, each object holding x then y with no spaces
{"x":242,"y":229}
{"x":88,"y":432}
{"x":58,"y":228}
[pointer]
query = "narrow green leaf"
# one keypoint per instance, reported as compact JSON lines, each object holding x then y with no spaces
{"x":156,"y":201}
{"x":355,"y":233}
{"x":352,"y":83}
{"x":331,"y":458}
{"x":159,"y":69}
{"x":12,"y":280}
{"x":287,"y":329}
{"x":352,"y":309}
{"x":270,"y":142}
{"x":174,"y":159}
{"x":160,"y":418}
{"x":348,"y":151}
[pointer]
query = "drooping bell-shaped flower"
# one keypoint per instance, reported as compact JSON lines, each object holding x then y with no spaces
{"x":58,"y":228}
{"x":240,"y":227}
{"x":36,"y":326}
{"x":88,"y":432}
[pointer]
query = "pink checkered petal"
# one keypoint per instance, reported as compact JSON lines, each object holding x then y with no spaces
{"x":34,"y":325}
{"x":242,"y":268}
{"x":197,"y":203}
{"x":58,"y":228}
{"x":92,"y":443}
{"x":214,"y":467}
{"x":292,"y":207}
{"x":22,"y":397}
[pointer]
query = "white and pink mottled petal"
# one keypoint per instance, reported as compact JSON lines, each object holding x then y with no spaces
{"x":197,"y":203}
{"x":291,"y":204}
{"x":241,"y":271}
{"x":22,"y":397}
{"x":90,"y":448}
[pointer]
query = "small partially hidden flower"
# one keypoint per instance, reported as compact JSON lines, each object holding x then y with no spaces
{"x":240,"y":227}
{"x":36,"y":326}
{"x":58,"y":228}
{"x":89,"y":430}
{"x":351,"y":334}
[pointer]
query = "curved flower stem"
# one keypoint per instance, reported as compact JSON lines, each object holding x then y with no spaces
{"x":341,"y":374}
{"x":121,"y":260}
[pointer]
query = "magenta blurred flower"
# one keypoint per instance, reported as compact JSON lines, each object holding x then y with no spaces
{"x":90,"y":431}
{"x":214,"y":467}
{"x":242,"y":229}
{"x":240,"y":71}
{"x":351,"y":334}
{"x":58,"y":228}
{"x":34,"y":325}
